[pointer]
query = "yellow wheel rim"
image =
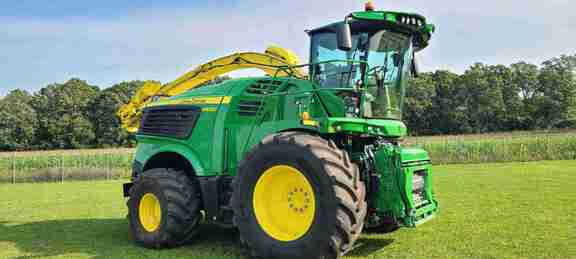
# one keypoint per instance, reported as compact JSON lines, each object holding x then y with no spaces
{"x":284,"y":203}
{"x":149,"y":212}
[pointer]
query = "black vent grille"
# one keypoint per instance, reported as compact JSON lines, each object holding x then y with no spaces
{"x":419,"y":187}
{"x":249,"y":108}
{"x":264,"y":87}
{"x":169,"y":121}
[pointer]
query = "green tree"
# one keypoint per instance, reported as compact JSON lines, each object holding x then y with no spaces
{"x":524,"y":86}
{"x":419,"y":104}
{"x":556,"y":104}
{"x":525,"y":78}
{"x":17,"y":121}
{"x":506,"y":104}
{"x":449,"y":112}
{"x":103,"y":110}
{"x":483,"y":97}
{"x":62,"y":111}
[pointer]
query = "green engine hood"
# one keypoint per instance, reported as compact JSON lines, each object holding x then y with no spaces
{"x":413,"y":154}
{"x":386,"y":128}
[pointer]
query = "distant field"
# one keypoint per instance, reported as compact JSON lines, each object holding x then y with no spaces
{"x":499,"y":147}
{"x":513,"y":135}
{"x":62,"y":165}
{"x":67,"y":152}
{"x":506,"y":210}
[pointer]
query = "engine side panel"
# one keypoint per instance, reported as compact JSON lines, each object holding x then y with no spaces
{"x":405,"y":185}
{"x":232,"y":117}
{"x":204,"y":143}
{"x":265,"y":107}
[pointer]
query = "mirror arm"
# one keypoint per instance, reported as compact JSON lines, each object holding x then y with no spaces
{"x":415,"y":68}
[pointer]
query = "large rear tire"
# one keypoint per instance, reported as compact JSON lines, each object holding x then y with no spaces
{"x":164,"y":208}
{"x":298,"y":196}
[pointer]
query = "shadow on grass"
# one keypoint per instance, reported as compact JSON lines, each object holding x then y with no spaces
{"x":368,"y":246}
{"x":109,"y":238}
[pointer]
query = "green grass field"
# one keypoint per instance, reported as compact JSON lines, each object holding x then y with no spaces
{"x":508,"y":210}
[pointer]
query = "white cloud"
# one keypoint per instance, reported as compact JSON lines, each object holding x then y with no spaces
{"x":161,"y":44}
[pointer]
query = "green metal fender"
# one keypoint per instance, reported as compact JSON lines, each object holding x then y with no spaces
{"x":148,"y":150}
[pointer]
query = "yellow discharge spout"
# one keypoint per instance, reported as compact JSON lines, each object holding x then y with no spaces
{"x":276,"y":61}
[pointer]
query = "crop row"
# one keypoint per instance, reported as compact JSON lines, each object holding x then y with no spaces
{"x":113,"y":164}
{"x":502,"y":150}
{"x":65,"y":166}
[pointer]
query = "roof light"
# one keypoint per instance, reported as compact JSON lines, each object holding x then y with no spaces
{"x":305,"y":115}
{"x":369,"y":6}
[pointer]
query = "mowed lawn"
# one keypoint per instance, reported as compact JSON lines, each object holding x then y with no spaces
{"x":514,"y":210}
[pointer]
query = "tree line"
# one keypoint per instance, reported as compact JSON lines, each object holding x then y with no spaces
{"x":69,"y":115}
{"x":485,"y":98}
{"x":74,"y":114}
{"x":494,"y":98}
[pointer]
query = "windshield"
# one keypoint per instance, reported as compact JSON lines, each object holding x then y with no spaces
{"x":333,"y":67}
{"x":389,"y":60}
{"x":382,"y":59}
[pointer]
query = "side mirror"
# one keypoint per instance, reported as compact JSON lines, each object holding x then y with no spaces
{"x":397,"y":59}
{"x":415,"y":67}
{"x":344,"y":37}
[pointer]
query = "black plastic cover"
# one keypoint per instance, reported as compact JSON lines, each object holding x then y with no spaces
{"x":175,"y":121}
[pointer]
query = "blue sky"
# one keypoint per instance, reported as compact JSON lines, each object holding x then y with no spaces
{"x":98,"y":9}
{"x":106,"y":41}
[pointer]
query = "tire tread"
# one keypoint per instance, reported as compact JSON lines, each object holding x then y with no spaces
{"x":182,"y":206}
{"x":348,"y":187}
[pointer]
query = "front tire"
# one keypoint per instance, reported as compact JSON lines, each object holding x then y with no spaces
{"x":164,"y":208}
{"x":298,"y":196}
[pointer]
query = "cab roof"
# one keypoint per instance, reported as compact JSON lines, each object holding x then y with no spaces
{"x":408,"y":23}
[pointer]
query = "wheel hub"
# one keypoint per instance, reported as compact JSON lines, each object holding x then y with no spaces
{"x":149,"y":212}
{"x":284,"y":203}
{"x":298,"y":200}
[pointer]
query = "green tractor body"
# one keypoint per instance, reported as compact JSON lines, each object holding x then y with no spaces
{"x":350,"y":103}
